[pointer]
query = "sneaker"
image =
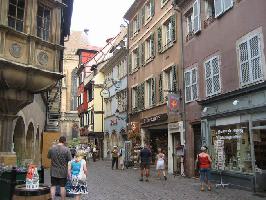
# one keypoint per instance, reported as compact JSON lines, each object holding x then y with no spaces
{"x":202,"y":189}
{"x":209,"y":188}
{"x":165,"y":178}
{"x":141,"y":179}
{"x":147,"y":180}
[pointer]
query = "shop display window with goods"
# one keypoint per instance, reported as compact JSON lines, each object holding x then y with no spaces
{"x":230,"y":148}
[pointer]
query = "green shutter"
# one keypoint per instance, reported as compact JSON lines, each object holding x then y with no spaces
{"x":143,"y":15}
{"x":173,"y":21}
{"x":159,"y":39}
{"x":131,"y":29}
{"x":161,"y":100}
{"x":138,"y":21}
{"x":174,"y":79}
{"x":152,"y":45}
{"x":138,"y":56}
{"x":153,"y":86}
{"x":152,"y":8}
{"x":142,"y":95}
{"x":130,"y":62}
{"x":143,"y":53}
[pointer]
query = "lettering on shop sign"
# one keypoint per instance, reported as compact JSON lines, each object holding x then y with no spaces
{"x":229,"y":134}
{"x":154,"y":119}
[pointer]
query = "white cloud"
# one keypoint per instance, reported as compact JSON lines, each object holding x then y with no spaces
{"x":102,"y":17}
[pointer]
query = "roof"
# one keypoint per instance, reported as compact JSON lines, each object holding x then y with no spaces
{"x":78,"y":40}
{"x":133,"y":8}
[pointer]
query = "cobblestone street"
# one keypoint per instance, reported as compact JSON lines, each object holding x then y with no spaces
{"x":107,"y":184}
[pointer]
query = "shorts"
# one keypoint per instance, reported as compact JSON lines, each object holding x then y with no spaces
{"x":204,"y":173}
{"x":160,"y":165}
{"x":144,"y":165}
{"x":58,"y":181}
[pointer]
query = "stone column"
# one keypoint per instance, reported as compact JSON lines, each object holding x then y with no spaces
{"x":6,"y":128}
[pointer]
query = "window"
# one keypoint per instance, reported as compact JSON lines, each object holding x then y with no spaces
{"x":212,"y":76}
{"x":148,"y":11}
{"x":43,"y":22}
{"x":81,"y":78}
{"x":250,"y":59}
{"x":86,"y":119}
{"x":150,"y":92}
{"x":221,"y":6}
{"x":122,"y":67}
{"x":122,"y":101}
{"x":170,"y":82}
{"x":191,"y":84}
{"x":134,"y":98}
{"x":209,"y":9}
{"x":163,"y":2}
{"x":136,"y":25}
{"x":16,"y":14}
{"x":149,"y":48}
{"x":167,"y":34}
{"x":135,"y":58}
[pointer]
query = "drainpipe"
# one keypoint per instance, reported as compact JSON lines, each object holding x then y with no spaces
{"x":183,"y":116}
{"x":127,"y":51}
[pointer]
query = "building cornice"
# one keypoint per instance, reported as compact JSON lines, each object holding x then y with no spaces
{"x":233,"y":94}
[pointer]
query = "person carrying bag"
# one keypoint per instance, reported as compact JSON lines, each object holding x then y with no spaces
{"x":77,"y":172}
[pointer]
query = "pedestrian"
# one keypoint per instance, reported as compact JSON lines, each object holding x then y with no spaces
{"x":145,"y":159}
{"x":77,"y":173}
{"x":115,"y":154}
{"x":204,"y":164}
{"x":60,"y":155}
{"x":160,"y":163}
{"x":94,"y":152}
{"x":121,"y":159}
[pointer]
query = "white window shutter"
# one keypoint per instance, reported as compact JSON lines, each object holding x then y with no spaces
{"x":216,"y":74}
{"x":196,"y":16}
{"x":208,"y":77}
{"x":218,"y":4}
{"x":255,"y":58}
{"x":188,"y":86}
{"x":228,"y":4}
{"x":194,"y":78}
{"x":244,"y":62}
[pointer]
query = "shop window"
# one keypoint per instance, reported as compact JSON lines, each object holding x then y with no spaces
{"x":230,"y":148}
{"x":222,"y":6}
{"x":250,"y":58}
{"x":16,"y":14}
{"x":191,"y":84}
{"x":43,"y":22}
{"x":212,"y":76}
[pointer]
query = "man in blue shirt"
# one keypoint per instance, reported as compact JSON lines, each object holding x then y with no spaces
{"x":145,"y":158}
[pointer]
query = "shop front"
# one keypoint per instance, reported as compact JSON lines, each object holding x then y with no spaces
{"x":154,"y":131}
{"x":235,"y":133}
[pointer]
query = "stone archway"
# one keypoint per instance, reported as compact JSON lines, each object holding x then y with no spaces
{"x":19,"y":139}
{"x":30,"y":142}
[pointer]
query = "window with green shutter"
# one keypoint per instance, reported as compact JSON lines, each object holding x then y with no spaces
{"x":152,"y":45}
{"x":142,"y":54}
{"x":152,"y":7}
{"x":159,"y":33}
{"x":161,"y":97}
{"x":153,"y":86}
{"x":130,"y":62}
{"x":173,"y":21}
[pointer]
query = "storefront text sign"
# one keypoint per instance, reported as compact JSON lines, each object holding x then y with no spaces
{"x":154,"y":119}
{"x":229,"y":134}
{"x":220,"y":157}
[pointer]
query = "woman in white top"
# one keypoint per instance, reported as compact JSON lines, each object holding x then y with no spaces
{"x":160,"y":163}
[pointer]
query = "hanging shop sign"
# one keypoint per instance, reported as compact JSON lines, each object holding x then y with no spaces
{"x":113,"y":122}
{"x":154,"y":119}
{"x":173,"y":103}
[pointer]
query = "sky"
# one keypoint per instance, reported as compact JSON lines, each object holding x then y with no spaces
{"x":102,"y":17}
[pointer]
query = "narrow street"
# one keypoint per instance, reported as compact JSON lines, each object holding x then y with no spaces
{"x":107,"y":184}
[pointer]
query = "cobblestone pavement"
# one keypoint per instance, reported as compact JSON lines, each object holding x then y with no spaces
{"x":107,"y":184}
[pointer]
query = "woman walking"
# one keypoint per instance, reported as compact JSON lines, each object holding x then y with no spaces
{"x":160,"y":163}
{"x":204,"y":164}
{"x":77,"y":172}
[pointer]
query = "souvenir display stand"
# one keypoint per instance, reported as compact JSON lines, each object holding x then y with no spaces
{"x":220,"y":161}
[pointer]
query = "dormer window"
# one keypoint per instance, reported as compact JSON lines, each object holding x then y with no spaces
{"x":43,"y":22}
{"x":16,"y":14}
